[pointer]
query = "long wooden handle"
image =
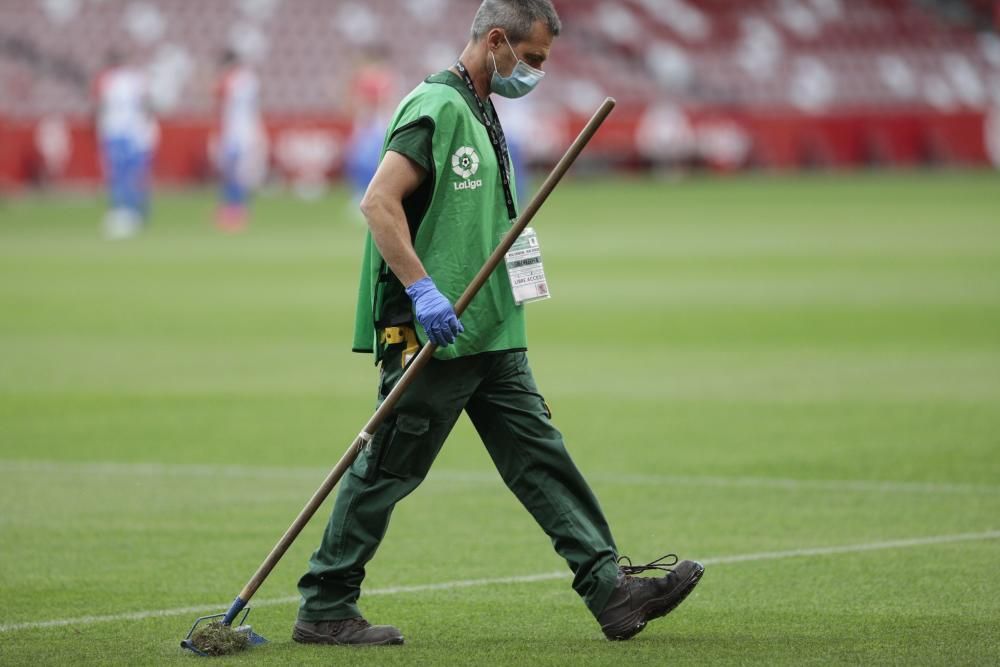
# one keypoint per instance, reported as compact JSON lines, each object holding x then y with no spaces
{"x":425,"y":354}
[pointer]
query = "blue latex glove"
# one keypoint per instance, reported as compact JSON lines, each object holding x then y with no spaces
{"x":434,"y":312}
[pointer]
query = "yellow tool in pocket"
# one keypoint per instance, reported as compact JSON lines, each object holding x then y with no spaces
{"x":396,"y":335}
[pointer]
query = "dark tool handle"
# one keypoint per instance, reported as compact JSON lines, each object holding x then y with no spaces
{"x":422,"y":358}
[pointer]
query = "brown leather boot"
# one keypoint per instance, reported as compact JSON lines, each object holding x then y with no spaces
{"x":350,"y":631}
{"x":638,"y":600}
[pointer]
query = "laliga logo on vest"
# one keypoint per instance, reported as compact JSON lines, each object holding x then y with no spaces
{"x":465,"y":163}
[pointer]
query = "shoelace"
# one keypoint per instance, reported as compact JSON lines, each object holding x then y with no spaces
{"x":662,"y":563}
{"x":359,"y":623}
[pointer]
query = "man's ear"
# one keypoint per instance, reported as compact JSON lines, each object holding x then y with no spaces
{"x":494,"y":38}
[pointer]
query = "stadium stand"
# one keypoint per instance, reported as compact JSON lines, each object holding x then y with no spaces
{"x":750,"y":67}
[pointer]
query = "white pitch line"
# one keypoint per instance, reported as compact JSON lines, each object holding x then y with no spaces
{"x":838,"y":485}
{"x":488,"y":477}
{"x":855,"y":548}
{"x":546,"y":576}
{"x":93,"y":469}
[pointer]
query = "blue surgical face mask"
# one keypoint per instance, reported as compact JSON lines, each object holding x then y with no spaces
{"x":521,"y":81}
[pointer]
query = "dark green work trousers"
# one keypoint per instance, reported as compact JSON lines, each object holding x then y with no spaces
{"x":499,"y":394}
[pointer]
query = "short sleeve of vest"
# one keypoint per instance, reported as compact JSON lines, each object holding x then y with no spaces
{"x":429,"y":117}
{"x":415,"y":142}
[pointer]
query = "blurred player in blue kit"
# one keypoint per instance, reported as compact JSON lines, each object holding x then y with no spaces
{"x":373,"y":94}
{"x":242,"y":143}
{"x":127,"y":135}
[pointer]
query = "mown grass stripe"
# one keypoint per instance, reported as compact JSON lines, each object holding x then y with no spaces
{"x":469,"y":583}
{"x":237,"y":471}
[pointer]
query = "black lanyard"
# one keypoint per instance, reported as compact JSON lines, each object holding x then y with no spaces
{"x":497,"y":138}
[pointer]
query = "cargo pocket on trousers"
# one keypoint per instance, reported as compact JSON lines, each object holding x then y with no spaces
{"x":528,"y":382}
{"x":366,"y":465}
{"x":407,"y":452}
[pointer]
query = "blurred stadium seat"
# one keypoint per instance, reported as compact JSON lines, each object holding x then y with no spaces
{"x":783,"y":58}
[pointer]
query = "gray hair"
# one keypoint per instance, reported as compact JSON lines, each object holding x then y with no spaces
{"x":516,"y":17}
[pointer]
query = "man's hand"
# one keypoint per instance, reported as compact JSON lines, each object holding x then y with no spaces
{"x":434,"y":312}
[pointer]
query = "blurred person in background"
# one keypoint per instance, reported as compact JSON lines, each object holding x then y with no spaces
{"x":127,"y":135}
{"x":54,"y":145}
{"x":373,"y":96}
{"x":441,"y":199}
{"x":516,"y":118}
{"x":242,"y":147}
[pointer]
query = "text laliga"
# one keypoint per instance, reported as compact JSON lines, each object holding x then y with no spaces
{"x":469,"y":185}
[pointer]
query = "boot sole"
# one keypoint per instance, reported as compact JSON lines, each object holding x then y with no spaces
{"x":654,"y":612}
{"x":323,"y":640}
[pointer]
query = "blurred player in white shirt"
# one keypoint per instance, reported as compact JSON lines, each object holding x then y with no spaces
{"x":127,"y":136}
{"x":242,"y":149}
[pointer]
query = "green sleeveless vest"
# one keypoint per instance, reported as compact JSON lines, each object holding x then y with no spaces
{"x":464,"y":222}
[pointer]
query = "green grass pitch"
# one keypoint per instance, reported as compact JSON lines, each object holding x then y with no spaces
{"x":795,"y":379}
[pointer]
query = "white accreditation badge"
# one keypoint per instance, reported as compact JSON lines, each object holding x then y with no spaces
{"x":524,"y":266}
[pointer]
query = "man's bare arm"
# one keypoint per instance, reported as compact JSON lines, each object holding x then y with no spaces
{"x":396,"y":178}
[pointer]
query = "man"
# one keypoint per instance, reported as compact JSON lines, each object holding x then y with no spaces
{"x":242,"y":143}
{"x":437,"y":207}
{"x":126,"y":131}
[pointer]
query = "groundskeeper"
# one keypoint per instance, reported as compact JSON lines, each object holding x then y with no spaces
{"x":440,"y":202}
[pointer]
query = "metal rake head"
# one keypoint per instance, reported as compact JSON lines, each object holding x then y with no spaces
{"x":232,"y":639}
